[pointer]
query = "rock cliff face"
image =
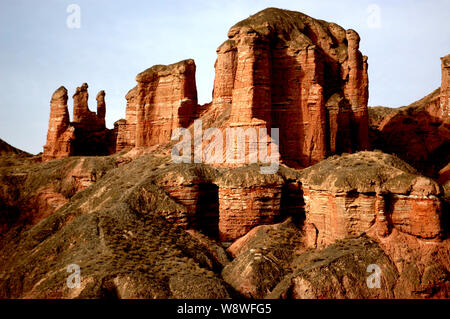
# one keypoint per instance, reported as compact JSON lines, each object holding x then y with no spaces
{"x":164,"y":99}
{"x":91,"y":135}
{"x":368,"y":192}
{"x":307,"y":77}
{"x":85,"y":135}
{"x":278,"y":69}
{"x":420,"y":133}
{"x":141,"y":226}
{"x":444,"y":105}
{"x":81,"y":113}
{"x":248,"y":199}
{"x":60,"y":134}
{"x":192,"y":187}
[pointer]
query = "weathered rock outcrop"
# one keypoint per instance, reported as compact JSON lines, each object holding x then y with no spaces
{"x":85,"y":135}
{"x":262,"y":258}
{"x":339,"y":271}
{"x":91,"y":135}
{"x":30,"y":191}
{"x":278,"y":69}
{"x":192,"y":187}
{"x":60,"y":134}
{"x":420,"y":133}
{"x":443,"y":109}
{"x":133,"y":210}
{"x":286,"y":70}
{"x":368,"y":192}
{"x":81,"y":113}
{"x":141,"y":226}
{"x":7,"y":149}
{"x":117,"y":232}
{"x":164,"y":99}
{"x":248,"y":199}
{"x":272,"y":262}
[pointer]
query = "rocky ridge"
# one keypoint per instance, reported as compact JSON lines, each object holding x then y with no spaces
{"x":141,"y":226}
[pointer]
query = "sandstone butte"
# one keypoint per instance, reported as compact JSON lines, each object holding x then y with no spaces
{"x":85,"y":135}
{"x":297,"y":233}
{"x":278,"y":68}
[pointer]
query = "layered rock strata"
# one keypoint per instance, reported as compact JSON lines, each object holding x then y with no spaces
{"x":164,"y":99}
{"x":192,"y":187}
{"x":248,"y":198}
{"x":245,"y":203}
{"x":286,"y":70}
{"x":420,"y":133}
{"x":368,"y":192}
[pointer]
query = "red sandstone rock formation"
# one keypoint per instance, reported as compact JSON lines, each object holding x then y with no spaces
{"x":420,"y":133}
{"x":444,"y":96}
{"x":244,"y":204}
{"x":307,"y":77}
{"x":101,"y":108}
{"x":192,"y":187}
{"x":248,"y":198}
{"x":81,"y":113}
{"x":60,"y":134}
{"x":91,"y":135}
{"x":278,"y":69}
{"x":85,"y":135}
{"x":368,"y":192}
{"x":164,"y":99}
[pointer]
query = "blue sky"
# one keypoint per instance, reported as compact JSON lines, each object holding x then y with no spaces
{"x":118,"y":39}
